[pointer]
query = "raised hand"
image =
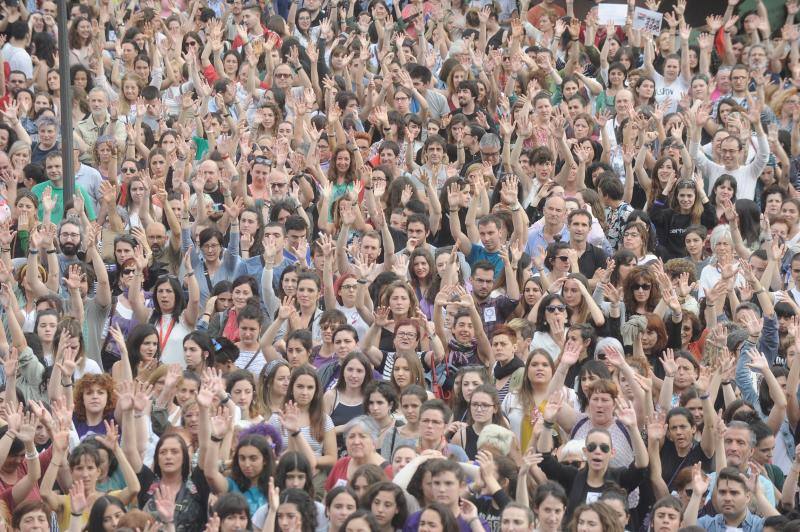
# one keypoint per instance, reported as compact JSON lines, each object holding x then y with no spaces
{"x":668,"y":362}
{"x":77,"y":497}
{"x":626,"y":414}
{"x":757,"y":361}
{"x":165,"y":502}
{"x":656,"y":426}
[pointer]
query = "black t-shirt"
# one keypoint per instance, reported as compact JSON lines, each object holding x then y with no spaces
{"x":671,"y":463}
{"x":191,"y":510}
{"x":592,"y":260}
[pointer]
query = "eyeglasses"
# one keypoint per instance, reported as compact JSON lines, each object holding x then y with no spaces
{"x":642,"y":286}
{"x":481,"y":406}
{"x":486,"y":154}
{"x":603,"y":447}
{"x":210,"y":247}
{"x":283,"y":75}
{"x":556,"y":308}
{"x":407,"y":335}
{"x":71,"y":235}
{"x":349,"y":286}
{"x":278,"y":185}
{"x":329,"y":326}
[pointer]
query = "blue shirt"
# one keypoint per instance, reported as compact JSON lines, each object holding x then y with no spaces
{"x":478,"y":252}
{"x":255,"y":497}
{"x":537,"y":241}
{"x":751,"y":523}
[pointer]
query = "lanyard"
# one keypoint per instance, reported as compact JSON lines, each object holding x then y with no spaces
{"x":162,"y":338}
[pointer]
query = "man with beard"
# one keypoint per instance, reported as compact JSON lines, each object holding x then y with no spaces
{"x":166,"y":251}
{"x":468,"y":100}
{"x":55,"y":174}
{"x":493,"y":310}
{"x":734,"y":492}
{"x":99,"y":122}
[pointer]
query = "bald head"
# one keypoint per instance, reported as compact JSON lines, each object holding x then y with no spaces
{"x":555,"y":210}
{"x":156,"y":236}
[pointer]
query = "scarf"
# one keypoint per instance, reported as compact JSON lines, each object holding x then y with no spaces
{"x":501,"y":372}
{"x":462,"y":355}
{"x":231,"y":330}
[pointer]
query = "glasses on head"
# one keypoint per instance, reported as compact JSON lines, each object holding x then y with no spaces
{"x":641,"y":286}
{"x":481,"y":406}
{"x":262,"y":160}
{"x":556,"y":308}
{"x":606,"y":448}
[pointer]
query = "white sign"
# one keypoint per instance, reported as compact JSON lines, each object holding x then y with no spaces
{"x":616,"y":13}
{"x":646,"y":20}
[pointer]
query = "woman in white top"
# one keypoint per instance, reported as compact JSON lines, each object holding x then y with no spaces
{"x":172,"y":317}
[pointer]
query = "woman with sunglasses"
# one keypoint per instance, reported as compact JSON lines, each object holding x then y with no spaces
{"x":683,"y":202}
{"x":552,"y":316}
{"x":599,"y":451}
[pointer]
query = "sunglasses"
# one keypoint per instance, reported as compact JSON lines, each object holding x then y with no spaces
{"x":563,"y":258}
{"x":556,"y":308}
{"x":643,"y":286}
{"x":606,"y":448}
{"x":128,"y":271}
{"x":574,"y":463}
{"x":129,"y":170}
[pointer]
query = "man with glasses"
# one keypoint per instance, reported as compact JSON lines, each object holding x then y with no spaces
{"x":55,"y":175}
{"x":732,"y":151}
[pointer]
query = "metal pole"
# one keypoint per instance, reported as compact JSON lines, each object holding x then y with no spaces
{"x":66,"y":101}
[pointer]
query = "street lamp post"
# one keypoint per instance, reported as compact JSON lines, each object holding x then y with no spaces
{"x":66,"y":101}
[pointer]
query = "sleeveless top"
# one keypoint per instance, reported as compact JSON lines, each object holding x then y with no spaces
{"x":470,"y":441}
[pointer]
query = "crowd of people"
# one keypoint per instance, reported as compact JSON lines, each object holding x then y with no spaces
{"x":432,"y":265}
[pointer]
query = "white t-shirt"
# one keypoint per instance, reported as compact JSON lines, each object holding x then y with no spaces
{"x":673,"y":90}
{"x":18,"y":59}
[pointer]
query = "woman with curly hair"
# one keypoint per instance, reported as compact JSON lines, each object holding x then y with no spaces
{"x":95,"y":400}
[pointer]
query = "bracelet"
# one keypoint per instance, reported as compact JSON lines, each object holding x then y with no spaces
{"x":70,"y":385}
{"x":31,"y":456}
{"x":669,"y":376}
{"x":368,"y":188}
{"x":33,"y":251}
{"x":11,"y":433}
{"x":362,"y":281}
{"x":205,"y":314}
{"x":76,"y":515}
{"x":548,"y":424}
{"x":50,"y":251}
{"x":294,"y":434}
{"x":215,"y":439}
{"x":188,"y":274}
{"x":705,"y":396}
{"x":726,"y":383}
{"x":226,"y":399}
{"x":138,"y":414}
{"x":5,"y":250}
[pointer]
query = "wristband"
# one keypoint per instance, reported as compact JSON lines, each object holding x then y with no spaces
{"x":6,"y":250}
{"x":76,"y":515}
{"x":705,"y":396}
{"x":33,"y":251}
{"x":726,"y":383}
{"x":188,"y":274}
{"x":669,"y":376}
{"x":51,"y":251}
{"x":225,"y":399}
{"x":70,"y":385}
{"x":362,"y":281}
{"x":215,"y":439}
{"x":294,"y":434}
{"x":548,"y":424}
{"x":31,"y":456}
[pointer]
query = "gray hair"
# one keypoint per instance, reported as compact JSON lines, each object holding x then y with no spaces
{"x":719,"y":233}
{"x":741,"y":425}
{"x":490,"y":140}
{"x":367,"y":424}
{"x":498,"y":437}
